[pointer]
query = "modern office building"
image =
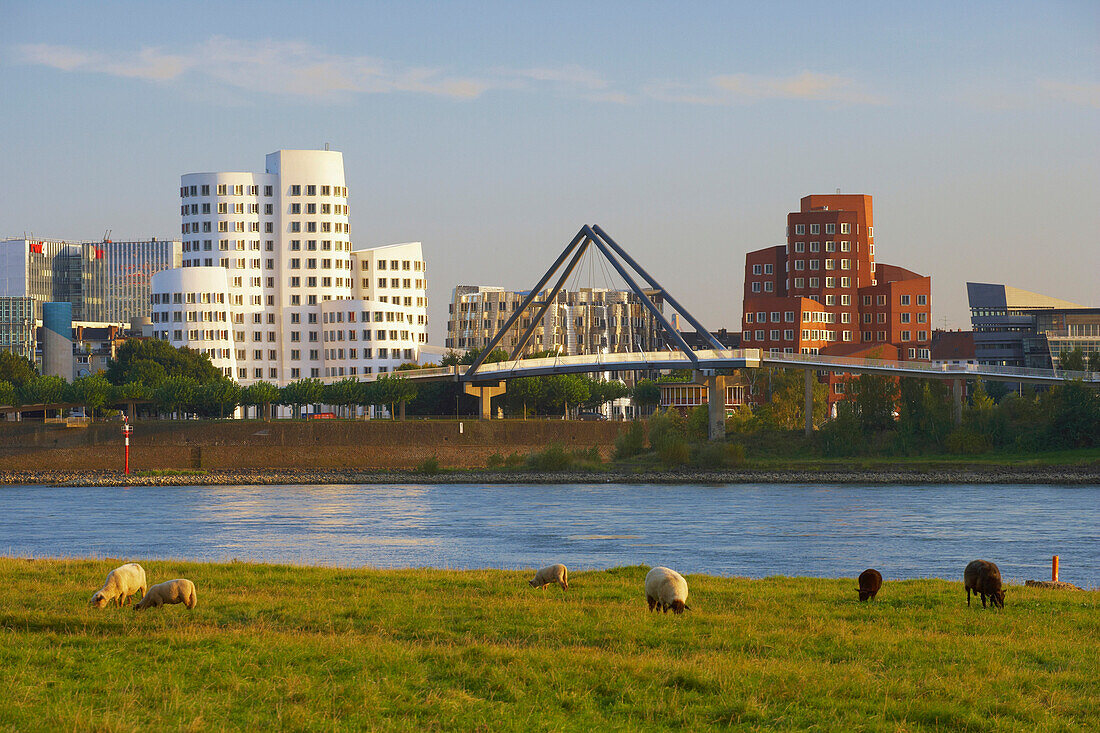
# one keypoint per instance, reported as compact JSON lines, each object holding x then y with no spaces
{"x":1014,"y":327}
{"x":823,"y":291}
{"x":584,"y":321}
{"x":106,"y":282}
{"x":271,"y":286}
{"x":17,"y":329}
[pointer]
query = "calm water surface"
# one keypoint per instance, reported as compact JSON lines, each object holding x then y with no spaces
{"x":745,"y":530}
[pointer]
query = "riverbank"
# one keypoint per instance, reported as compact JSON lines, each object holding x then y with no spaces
{"x":272,"y":646}
{"x":827,"y":474}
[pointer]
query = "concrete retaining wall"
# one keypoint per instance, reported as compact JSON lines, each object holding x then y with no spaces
{"x":289,"y":444}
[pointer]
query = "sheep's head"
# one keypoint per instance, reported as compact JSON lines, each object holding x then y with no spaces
{"x":532,"y":583}
{"x":679,"y":606}
{"x":998,"y":598}
{"x":864,"y":593}
{"x":99,"y":600}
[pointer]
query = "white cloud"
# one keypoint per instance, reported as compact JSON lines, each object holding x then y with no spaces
{"x":271,"y":67}
{"x":1084,"y":94}
{"x":808,"y":85}
{"x":570,"y":75}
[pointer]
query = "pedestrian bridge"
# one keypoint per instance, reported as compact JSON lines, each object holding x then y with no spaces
{"x":716,"y":359}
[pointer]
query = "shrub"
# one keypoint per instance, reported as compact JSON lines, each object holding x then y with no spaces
{"x":842,"y":435}
{"x":554,"y":458}
{"x":514,"y":460}
{"x":719,"y":455}
{"x":698,"y":424}
{"x":495,"y":461}
{"x":428,"y":466}
{"x":674,"y":451}
{"x":667,"y":426}
{"x":591,"y":455}
{"x":740,"y":421}
{"x":632,"y":442}
{"x":966,"y":442}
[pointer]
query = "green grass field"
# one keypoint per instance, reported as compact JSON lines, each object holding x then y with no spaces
{"x":319,"y":648}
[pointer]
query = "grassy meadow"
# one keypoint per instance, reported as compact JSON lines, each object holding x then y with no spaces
{"x":321,"y":648}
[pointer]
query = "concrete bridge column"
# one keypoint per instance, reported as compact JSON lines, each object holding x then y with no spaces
{"x":809,"y":401}
{"x":957,"y":394}
{"x":716,"y":404}
{"x":485,"y":393}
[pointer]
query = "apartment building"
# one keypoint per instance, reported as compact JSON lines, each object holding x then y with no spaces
{"x":823,"y":290}
{"x":584,"y":321}
{"x":271,"y":285}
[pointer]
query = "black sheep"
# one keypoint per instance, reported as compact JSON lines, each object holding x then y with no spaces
{"x":870,"y":580}
{"x":984,"y":578}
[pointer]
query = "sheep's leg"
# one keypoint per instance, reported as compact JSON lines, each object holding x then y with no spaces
{"x":983,"y":600}
{"x":651,"y":601}
{"x":968,"y":598}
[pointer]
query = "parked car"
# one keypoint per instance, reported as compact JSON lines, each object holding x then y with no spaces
{"x":590,"y":416}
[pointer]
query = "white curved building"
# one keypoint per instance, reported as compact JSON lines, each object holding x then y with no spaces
{"x":281,"y":240}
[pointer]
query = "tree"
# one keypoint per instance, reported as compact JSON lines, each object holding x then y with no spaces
{"x":261,"y":394}
{"x":876,"y":399}
{"x":217,"y":398}
{"x":786,"y":409}
{"x":9,"y":395}
{"x":176,"y":362}
{"x":301,"y":392}
{"x":131,"y":393}
{"x":175,"y":394}
{"x":44,"y":391}
{"x":563,"y":390}
{"x":646,"y":393}
{"x":602,"y":392}
{"x":392,"y":389}
{"x":92,"y":391}
{"x":1094,"y":361}
{"x":344,"y":393}
{"x":16,"y":369}
{"x":1073,"y":361}
{"x":525,"y":393}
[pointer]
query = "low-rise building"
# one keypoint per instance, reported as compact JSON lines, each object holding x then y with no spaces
{"x":1015,"y":327}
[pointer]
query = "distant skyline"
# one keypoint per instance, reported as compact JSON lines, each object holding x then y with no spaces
{"x":492,"y":131}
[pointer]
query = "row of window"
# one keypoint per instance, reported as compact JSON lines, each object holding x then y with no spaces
{"x":845,"y":228}
{"x":830,"y":264}
{"x":811,"y":334}
{"x":830,"y":246}
{"x":239,"y":189}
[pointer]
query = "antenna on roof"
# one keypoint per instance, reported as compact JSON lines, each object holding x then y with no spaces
{"x":326,"y":146}
{"x":838,"y":190}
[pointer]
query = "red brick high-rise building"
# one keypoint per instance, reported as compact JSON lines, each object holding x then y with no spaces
{"x":824,"y":293}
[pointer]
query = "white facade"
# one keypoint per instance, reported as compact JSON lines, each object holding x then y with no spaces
{"x":298,"y":301}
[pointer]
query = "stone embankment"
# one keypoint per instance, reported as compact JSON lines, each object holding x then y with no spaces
{"x":242,"y":477}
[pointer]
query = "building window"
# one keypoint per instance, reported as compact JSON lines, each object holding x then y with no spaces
{"x":799,"y":228}
{"x":922,"y":300}
{"x":905,"y":300}
{"x":845,"y":228}
{"x":755,"y":285}
{"x":757,"y":270}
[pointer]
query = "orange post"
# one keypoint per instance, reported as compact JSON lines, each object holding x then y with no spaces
{"x":1054,"y":569}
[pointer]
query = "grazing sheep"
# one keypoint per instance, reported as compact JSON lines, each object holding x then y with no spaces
{"x":870,"y":580}
{"x":552,"y":574}
{"x":666,"y":588}
{"x":984,"y":578}
{"x":122,"y":582}
{"x":180,"y":590}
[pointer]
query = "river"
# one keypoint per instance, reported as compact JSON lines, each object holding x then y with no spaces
{"x":735,"y":530}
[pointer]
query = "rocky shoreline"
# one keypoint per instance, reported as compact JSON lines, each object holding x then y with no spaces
{"x":1078,"y":475}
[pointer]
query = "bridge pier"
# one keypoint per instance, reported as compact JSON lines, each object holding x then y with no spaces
{"x":716,"y":404}
{"x":485,"y":393}
{"x":809,"y":401}
{"x":957,"y":395}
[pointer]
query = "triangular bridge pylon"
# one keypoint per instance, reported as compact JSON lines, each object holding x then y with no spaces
{"x":617,"y":257}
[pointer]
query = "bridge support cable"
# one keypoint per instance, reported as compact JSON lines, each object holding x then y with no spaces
{"x":699,"y":327}
{"x":640,"y":292}
{"x":523,"y":306}
{"x":553,"y":294}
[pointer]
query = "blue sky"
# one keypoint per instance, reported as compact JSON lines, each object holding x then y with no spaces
{"x":492,"y":131}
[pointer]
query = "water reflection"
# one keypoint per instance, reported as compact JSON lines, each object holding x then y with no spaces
{"x":745,"y":530}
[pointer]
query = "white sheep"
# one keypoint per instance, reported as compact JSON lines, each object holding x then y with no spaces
{"x":551,"y":574}
{"x":122,"y":582}
{"x":666,"y":588}
{"x":179,"y":590}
